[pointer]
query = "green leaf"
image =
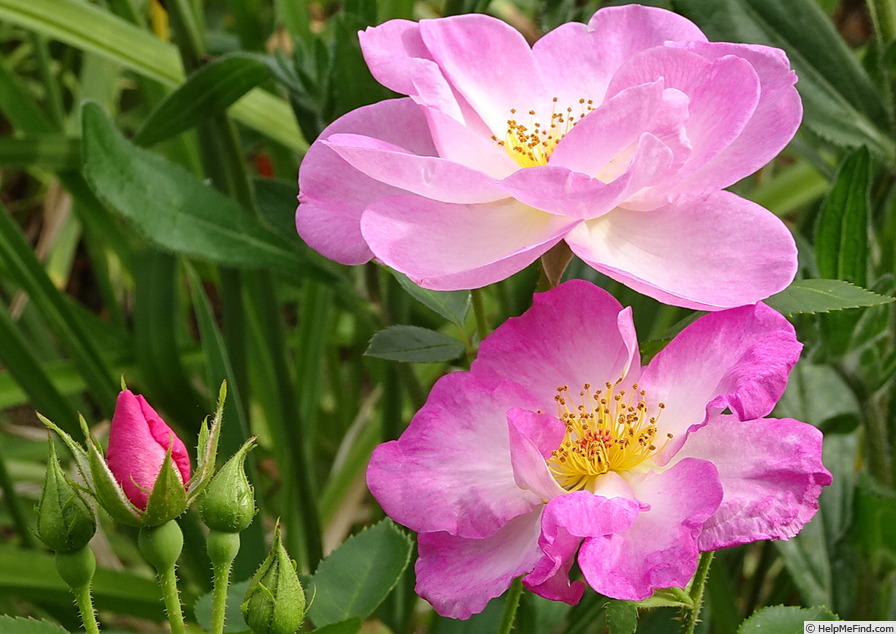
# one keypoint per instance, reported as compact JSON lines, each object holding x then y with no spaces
{"x":89,"y":28}
{"x":176,"y":211}
{"x":350,"y":626}
{"x":841,"y":236}
{"x":782,"y":619}
{"x":452,"y":305}
{"x":354,"y":579}
{"x":413,"y":344}
{"x":622,"y":617}
{"x":823,"y":296}
{"x":208,"y":91}
{"x":19,"y":625}
{"x":233,"y":620}
{"x":54,"y":152}
{"x":840,"y":100}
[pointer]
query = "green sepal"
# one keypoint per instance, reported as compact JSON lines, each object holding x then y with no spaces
{"x":228,"y":502}
{"x":77,"y":450}
{"x":106,"y":489}
{"x":275,"y":600}
{"x":666,"y":598}
{"x":168,"y":498}
{"x":65,"y":522}
{"x":207,"y":448}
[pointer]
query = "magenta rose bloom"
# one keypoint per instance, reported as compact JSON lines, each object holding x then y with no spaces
{"x":558,"y":447}
{"x":617,"y":136}
{"x":138,"y":441}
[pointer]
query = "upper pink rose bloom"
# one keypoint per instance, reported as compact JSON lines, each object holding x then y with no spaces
{"x":138,"y":441}
{"x":616,"y":136}
{"x":558,"y":447}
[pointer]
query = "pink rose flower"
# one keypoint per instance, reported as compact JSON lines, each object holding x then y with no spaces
{"x":558,"y":447}
{"x":138,"y":441}
{"x":617,"y":136}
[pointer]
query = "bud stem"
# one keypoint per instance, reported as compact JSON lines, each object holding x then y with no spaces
{"x":161,"y":546}
{"x":222,"y":550}
{"x":76,"y":569}
{"x":511,"y":603}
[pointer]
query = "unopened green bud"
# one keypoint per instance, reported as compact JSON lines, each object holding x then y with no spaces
{"x":228,"y":503}
{"x":65,"y":522}
{"x":275,"y":601}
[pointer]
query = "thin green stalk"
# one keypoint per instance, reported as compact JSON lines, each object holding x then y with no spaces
{"x":222,"y":550}
{"x":85,"y":606}
{"x":168,"y":583}
{"x":510,"y":606}
{"x":692,"y":615}
{"x":479,"y":311}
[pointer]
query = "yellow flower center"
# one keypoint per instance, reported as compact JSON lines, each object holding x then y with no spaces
{"x":532,"y":143}
{"x":609,"y":430}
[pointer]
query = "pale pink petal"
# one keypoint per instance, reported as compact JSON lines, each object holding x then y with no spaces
{"x":738,"y":359}
{"x":460,"y":576}
{"x":660,"y":549}
{"x":451,"y":469}
{"x":398,"y":59}
{"x":772,"y":126}
{"x":574,"y":334}
{"x":533,"y":437}
{"x":427,"y":176}
{"x":710,"y":254}
{"x":578,"y":61}
{"x":460,"y":143}
{"x":560,"y":191}
{"x":566,"y":520}
{"x":771,"y":474}
{"x":425,"y":239}
{"x":488,"y":63}
{"x":333,"y":194}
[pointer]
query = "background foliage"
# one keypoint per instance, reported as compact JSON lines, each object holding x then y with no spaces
{"x":147,"y":192}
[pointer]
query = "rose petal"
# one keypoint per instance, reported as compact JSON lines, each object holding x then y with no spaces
{"x":575,"y":334}
{"x":424,"y":239}
{"x":771,"y":474}
{"x":333,"y":194}
{"x":451,"y":469}
{"x":716,"y":253}
{"x":533,"y":437}
{"x":460,"y":576}
{"x":660,"y":549}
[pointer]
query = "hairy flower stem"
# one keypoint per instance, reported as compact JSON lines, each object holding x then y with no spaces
{"x":692,"y":615}
{"x":479,"y":311}
{"x":161,"y":546}
{"x":85,"y":607}
{"x":76,"y":569}
{"x":222,"y":549}
{"x":510,"y":606}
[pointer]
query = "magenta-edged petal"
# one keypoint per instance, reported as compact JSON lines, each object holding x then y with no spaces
{"x":560,"y":191}
{"x":773,"y":124}
{"x":533,"y":437}
{"x":451,"y":469}
{"x":771,"y":474}
{"x":738,"y":359}
{"x":574,"y":334}
{"x":660,"y":549}
{"x":578,"y":61}
{"x":425,"y":239}
{"x":488,"y":63}
{"x":463,"y":144}
{"x":333,"y":194}
{"x":460,"y":576}
{"x":427,"y":176}
{"x":566,"y":520}
{"x":710,"y":254}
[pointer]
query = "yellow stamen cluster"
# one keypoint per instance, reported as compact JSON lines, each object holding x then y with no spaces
{"x":532,"y":144}
{"x":608,"y":430}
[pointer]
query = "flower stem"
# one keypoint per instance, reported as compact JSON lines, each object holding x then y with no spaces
{"x":222,"y":550}
{"x":510,"y":606}
{"x":697,"y":587}
{"x":161,"y":546}
{"x":85,"y":607}
{"x":168,"y":583}
{"x":479,"y":311}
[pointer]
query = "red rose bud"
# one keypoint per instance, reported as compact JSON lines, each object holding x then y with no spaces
{"x":139,"y":440}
